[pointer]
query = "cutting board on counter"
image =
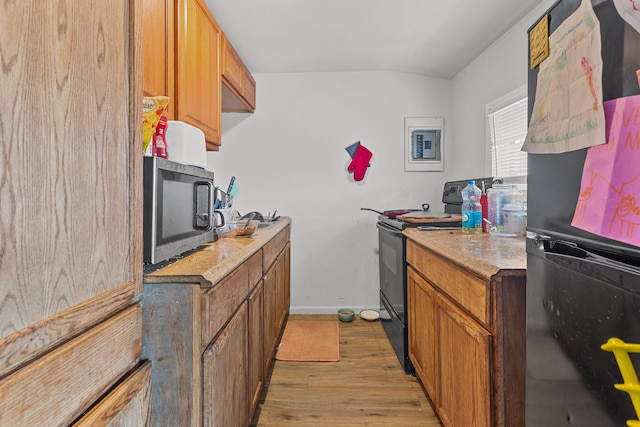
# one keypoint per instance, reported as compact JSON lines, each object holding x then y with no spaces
{"x":422,"y":217}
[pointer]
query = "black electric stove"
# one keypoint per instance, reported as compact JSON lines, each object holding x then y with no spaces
{"x":393,"y":267}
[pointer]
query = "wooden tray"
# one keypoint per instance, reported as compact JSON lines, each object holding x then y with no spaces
{"x":429,"y":217}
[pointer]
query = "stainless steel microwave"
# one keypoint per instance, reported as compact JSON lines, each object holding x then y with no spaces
{"x":178,"y":208}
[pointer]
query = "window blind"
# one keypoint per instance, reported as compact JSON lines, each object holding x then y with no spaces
{"x":507,"y":131}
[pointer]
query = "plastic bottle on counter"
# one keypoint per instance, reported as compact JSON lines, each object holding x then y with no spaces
{"x":159,"y":139}
{"x":471,"y":209}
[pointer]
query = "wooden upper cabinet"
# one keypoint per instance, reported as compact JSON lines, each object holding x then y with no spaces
{"x":249,"y":90}
{"x":198,"y":81}
{"x":232,"y":66}
{"x":158,"y":29}
{"x":181,"y":60}
{"x":187,"y":58}
{"x":238,"y":86}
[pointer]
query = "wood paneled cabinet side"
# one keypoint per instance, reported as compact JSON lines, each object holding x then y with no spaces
{"x":71,"y":239}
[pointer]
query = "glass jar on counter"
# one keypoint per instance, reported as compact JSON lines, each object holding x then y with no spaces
{"x":506,"y":211}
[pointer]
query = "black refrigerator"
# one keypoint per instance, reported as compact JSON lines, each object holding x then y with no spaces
{"x":582,"y":289}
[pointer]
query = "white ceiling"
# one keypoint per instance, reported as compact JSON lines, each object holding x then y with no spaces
{"x":429,"y":37}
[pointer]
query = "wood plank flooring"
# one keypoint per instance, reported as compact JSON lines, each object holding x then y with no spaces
{"x":367,"y":387}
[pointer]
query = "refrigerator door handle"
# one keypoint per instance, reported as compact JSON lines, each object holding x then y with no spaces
{"x":570,"y":255}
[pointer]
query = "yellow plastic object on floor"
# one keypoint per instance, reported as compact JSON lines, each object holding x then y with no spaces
{"x":621,"y":350}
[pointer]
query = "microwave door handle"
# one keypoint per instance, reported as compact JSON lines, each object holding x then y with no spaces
{"x":196,"y":223}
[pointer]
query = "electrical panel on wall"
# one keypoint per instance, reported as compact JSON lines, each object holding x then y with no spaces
{"x":424,"y":144}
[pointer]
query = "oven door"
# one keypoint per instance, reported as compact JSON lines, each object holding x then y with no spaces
{"x":393,"y":276}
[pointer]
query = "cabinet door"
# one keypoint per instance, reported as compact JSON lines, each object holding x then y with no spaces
{"x":423,"y":337}
{"x":198,"y":80}
{"x":281,"y":298}
{"x":249,"y":90}
{"x":287,"y":276}
{"x":232,"y":66}
{"x":158,"y":60}
{"x":225,"y":375}
{"x":238,"y":85}
{"x":128,"y":404}
{"x":464,"y":392}
{"x":270,"y":316}
{"x":256,"y":345}
{"x":71,"y":189}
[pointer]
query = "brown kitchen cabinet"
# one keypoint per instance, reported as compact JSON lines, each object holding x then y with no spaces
{"x":187,"y":58}
{"x":256,"y":345}
{"x":128,"y":404}
{"x":71,"y":274}
{"x":238,"y":86}
{"x":466,"y":305}
{"x":423,"y":342}
{"x":198,"y":70}
{"x":208,"y":328}
{"x":158,"y":38}
{"x":226,"y":374}
{"x":181,"y":57}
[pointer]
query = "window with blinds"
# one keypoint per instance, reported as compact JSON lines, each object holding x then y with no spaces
{"x":506,"y":130}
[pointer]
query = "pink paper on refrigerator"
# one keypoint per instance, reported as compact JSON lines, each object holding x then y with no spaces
{"x":609,"y":200}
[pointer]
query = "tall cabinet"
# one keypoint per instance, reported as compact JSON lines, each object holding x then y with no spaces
{"x":70,"y":223}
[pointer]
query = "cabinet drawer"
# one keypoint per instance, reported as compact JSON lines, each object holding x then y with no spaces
{"x":129,"y":404}
{"x":61,"y":385}
{"x":219,"y":303}
{"x":255,"y":269}
{"x":467,"y":290}
{"x":273,"y":248}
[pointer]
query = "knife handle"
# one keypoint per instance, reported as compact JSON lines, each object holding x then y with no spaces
{"x":233,"y":179}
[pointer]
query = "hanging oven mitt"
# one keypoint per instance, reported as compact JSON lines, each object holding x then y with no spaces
{"x":360,"y":162}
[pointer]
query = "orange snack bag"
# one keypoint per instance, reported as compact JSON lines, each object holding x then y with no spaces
{"x":152,"y":109}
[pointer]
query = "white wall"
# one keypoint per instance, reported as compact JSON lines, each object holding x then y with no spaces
{"x":500,"y":69}
{"x":290,"y":155}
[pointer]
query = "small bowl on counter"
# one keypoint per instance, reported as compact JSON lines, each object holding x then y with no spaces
{"x":237,"y":228}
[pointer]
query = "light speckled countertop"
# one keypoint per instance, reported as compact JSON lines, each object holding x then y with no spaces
{"x":209,"y":265}
{"x":482,"y":254}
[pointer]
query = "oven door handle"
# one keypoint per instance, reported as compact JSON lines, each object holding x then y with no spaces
{"x":389,"y":230}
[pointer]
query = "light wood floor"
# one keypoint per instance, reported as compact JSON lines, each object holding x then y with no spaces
{"x":367,"y":387}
